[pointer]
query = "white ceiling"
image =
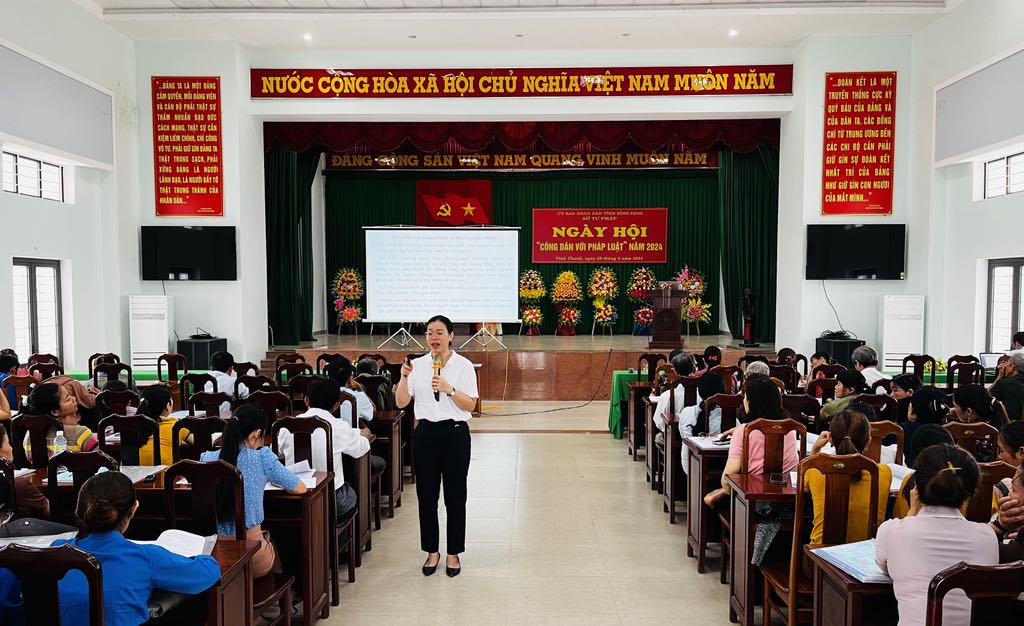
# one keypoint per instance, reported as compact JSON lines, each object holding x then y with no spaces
{"x":184,"y":6}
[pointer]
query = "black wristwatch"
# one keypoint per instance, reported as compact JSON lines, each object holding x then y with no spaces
{"x":452,"y":393}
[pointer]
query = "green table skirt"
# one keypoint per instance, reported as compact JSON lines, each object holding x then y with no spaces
{"x":619,"y":394}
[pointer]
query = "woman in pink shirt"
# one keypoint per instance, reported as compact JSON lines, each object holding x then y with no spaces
{"x":761,"y":400}
{"x":935,"y":535}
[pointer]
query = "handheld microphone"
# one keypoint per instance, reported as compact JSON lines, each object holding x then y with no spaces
{"x":437,"y":372}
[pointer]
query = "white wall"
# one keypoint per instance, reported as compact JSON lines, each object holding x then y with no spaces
{"x":319,"y":250}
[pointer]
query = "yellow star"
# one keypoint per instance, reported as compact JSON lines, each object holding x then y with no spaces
{"x":469,"y":208}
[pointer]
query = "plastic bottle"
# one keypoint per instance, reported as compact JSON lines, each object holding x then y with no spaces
{"x":60,"y":443}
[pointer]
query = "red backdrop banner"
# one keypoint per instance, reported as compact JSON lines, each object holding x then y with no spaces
{"x":600,"y":235}
{"x":860,"y":126}
{"x":521,"y":82}
{"x":453,"y":202}
{"x":187,"y":165}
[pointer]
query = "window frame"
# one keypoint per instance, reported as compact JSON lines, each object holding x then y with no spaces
{"x":37,"y":192}
{"x":33,"y":302}
{"x":1017,"y":265}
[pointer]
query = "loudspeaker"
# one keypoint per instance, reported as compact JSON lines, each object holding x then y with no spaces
{"x":840,"y":349}
{"x":198,"y":351}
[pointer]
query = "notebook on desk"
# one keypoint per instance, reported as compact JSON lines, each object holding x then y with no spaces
{"x":856,"y":559}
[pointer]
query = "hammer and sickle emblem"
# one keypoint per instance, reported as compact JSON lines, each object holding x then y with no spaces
{"x":445,"y":210}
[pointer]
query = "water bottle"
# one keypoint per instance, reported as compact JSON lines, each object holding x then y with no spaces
{"x":60,"y":443}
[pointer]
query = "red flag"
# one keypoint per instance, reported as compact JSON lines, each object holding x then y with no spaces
{"x":453,"y":202}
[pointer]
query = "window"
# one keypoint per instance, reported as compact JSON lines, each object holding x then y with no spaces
{"x":32,"y":177}
{"x":37,"y":315}
{"x":1005,"y":175}
{"x":1005,"y":302}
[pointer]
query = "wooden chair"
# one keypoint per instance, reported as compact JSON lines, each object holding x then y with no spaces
{"x":879,"y":432}
{"x":43,"y":358}
{"x":961,"y":358}
{"x":131,"y":428}
{"x":323,"y":360}
{"x":349,"y":399}
{"x":648,"y":361}
{"x":297,"y":386}
{"x":204,"y":479}
{"x":774,"y":433}
{"x":40,"y":569}
{"x":83,"y":466}
{"x":37,"y":427}
{"x":111,"y":371}
{"x":246,"y":368}
{"x":985,"y":585}
{"x":254,"y":383}
{"x":778,"y":383}
{"x":786,"y":583}
{"x":201,"y":429}
{"x":210,"y":403}
{"x":884,"y":406}
{"x":979,"y":507}
{"x":664,"y":374}
{"x":116,"y":402}
{"x":659,"y":467}
{"x":803,"y":408}
{"x":732,"y":375}
{"x":747,"y":359}
{"x":22,"y":386}
{"x":827,"y":371}
{"x":824,"y":388}
{"x":275,"y":404}
{"x":287,"y":371}
{"x":789,"y":376}
{"x":919,"y":363}
{"x":7,"y":471}
{"x":288,"y":357}
{"x":379,"y":390}
{"x":46,"y":370}
{"x":964,"y":374}
{"x":977,"y":438}
{"x":194,"y":383}
{"x":883,"y":383}
{"x":785,"y":356}
{"x":174,"y":362}
{"x":101,"y":357}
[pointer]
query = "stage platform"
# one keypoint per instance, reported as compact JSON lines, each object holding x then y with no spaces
{"x":533,"y":368}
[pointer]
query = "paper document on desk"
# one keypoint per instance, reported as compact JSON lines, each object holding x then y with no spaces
{"x":35,"y":541}
{"x":899,"y":472}
{"x":856,"y":559}
{"x":301,"y":469}
{"x":309,"y":481}
{"x":182,"y":543}
{"x":138,"y":473}
{"x":18,"y":473}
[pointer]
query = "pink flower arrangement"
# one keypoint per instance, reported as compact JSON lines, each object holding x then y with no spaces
{"x":350,"y":314}
{"x":644,"y":316}
{"x":691,"y":281}
{"x":532,"y":317}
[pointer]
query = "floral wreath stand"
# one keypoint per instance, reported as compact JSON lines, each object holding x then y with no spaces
{"x":606,"y":329}
{"x":564,"y":330}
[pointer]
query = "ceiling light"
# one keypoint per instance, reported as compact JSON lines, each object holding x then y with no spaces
{"x":308,"y":36}
{"x":625,"y":34}
{"x":412,"y":36}
{"x":733,"y":32}
{"x":519,"y":35}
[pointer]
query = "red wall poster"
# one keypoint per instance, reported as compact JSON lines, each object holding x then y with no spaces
{"x":860,"y":125}
{"x":187,"y":163}
{"x":600,"y":235}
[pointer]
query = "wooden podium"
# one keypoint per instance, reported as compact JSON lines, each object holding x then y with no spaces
{"x":668,"y":310}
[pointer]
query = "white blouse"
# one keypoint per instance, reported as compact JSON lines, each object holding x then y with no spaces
{"x":459,"y":373}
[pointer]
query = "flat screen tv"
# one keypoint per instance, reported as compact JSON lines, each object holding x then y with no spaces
{"x":188,"y":253}
{"x":856,"y":251}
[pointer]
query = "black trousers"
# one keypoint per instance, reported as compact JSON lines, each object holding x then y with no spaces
{"x":441,"y":455}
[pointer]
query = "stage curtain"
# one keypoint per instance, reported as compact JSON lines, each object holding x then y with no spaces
{"x":356,"y":199}
{"x":288,"y":180}
{"x":749,"y":194}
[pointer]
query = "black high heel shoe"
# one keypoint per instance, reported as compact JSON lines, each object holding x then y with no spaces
{"x":428,"y":570}
{"x":452,"y":572}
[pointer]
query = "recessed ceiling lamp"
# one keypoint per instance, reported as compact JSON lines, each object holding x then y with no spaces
{"x":519,"y":35}
{"x":412,"y":36}
{"x":625,"y":34}
{"x":308,"y":36}
{"x":733,"y":33}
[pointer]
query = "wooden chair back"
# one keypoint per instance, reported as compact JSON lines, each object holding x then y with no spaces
{"x":206,"y":481}
{"x":747,"y":359}
{"x":884,"y":406}
{"x":774,"y":433}
{"x":111,"y":371}
{"x":990,"y":588}
{"x":254,"y":383}
{"x":22,"y":386}
{"x":287,"y":371}
{"x":801,"y":407}
{"x":288,"y":357}
{"x":689,"y":386}
{"x":824,"y":388}
{"x":379,"y":390}
{"x":40,"y":569}
{"x":732,"y":375}
{"x":201,"y":429}
{"x":778,"y":383}
{"x":647,"y":362}
{"x":190,"y":384}
{"x":917,"y":363}
{"x":964,"y":374}
{"x":301,"y":430}
{"x":83,"y":466}
{"x":7,"y":470}
{"x":976,"y":437}
{"x":379,"y":358}
{"x":46,"y":370}
{"x":174,"y":362}
{"x":979,"y":507}
{"x":37,"y":427}
{"x":209,"y":402}
{"x":884,"y":384}
{"x":789,"y":376}
{"x":349,"y":399}
{"x":879,"y":432}
{"x":785,"y":356}
{"x":101,"y":357}
{"x":132,"y":429}
{"x":42,"y":358}
{"x":116,"y":402}
{"x":322,"y":360}
{"x":275,"y":404}
{"x":827,"y":370}
{"x":732,"y":409}
{"x":246,"y":368}
{"x":297,"y":386}
{"x":664,"y":374}
{"x":961,"y":358}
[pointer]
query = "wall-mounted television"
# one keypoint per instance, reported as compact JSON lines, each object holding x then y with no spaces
{"x":188,"y":253}
{"x":856,"y":251}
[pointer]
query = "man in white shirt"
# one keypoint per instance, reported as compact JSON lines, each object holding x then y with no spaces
{"x":865,"y":361}
{"x":222,"y":368}
{"x":684,"y":365}
{"x":322,"y":399}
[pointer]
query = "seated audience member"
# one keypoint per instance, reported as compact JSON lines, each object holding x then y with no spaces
{"x":84,"y":396}
{"x":849,"y":433}
{"x":683,"y":365}
{"x":222,"y":368}
{"x":757,"y":367}
{"x":973,"y":403}
{"x":342,"y":373}
{"x":1011,"y":444}
{"x":156,"y":404}
{"x":1009,"y":386}
{"x":924,"y":437}
{"x":322,"y":399}
{"x":820,"y":358}
{"x":367,"y":367}
{"x":9,"y":367}
{"x":927,"y":406}
{"x":935,"y":535}
{"x":848,"y":389}
{"x":242,"y":446}
{"x":57,"y":401}
{"x":131,"y":572}
{"x":903,"y":387}
{"x":709,"y":384}
{"x":761,"y":400}
{"x":712,"y":357}
{"x":1008,"y":524}
{"x":1017,"y":342}
{"x":29,"y":501}
{"x":865,"y":361}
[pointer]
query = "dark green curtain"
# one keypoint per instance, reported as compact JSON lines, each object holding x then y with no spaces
{"x":288,"y":180}
{"x":749,"y":193}
{"x":360,"y":199}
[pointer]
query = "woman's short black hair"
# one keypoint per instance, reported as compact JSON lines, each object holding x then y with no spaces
{"x":444,"y":320}
{"x":930,"y":405}
{"x":852,"y":379}
{"x":946,"y":476}
{"x":907,"y":382}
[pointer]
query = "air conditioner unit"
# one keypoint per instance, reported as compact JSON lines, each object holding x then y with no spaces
{"x":902,"y":330}
{"x":150,"y":326}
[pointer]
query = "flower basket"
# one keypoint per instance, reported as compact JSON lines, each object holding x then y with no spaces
{"x":347,"y":288}
{"x":696,"y":312}
{"x":533,"y":317}
{"x":691,"y":281}
{"x":606,"y":315}
{"x":531,"y":287}
{"x":566,"y":288}
{"x":641,"y":283}
{"x":348,"y":315}
{"x":603,"y":286}
{"x":568,"y":318}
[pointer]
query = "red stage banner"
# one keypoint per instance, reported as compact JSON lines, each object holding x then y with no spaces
{"x":521,"y":82}
{"x":664,"y":159}
{"x":453,"y":202}
{"x":600,"y":235}
{"x":860,"y":126}
{"x":187,"y":165}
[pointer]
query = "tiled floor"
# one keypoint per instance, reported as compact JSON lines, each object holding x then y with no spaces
{"x":562,"y":529}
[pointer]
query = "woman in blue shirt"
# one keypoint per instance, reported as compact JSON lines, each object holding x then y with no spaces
{"x":106,"y":504}
{"x":242,"y":446}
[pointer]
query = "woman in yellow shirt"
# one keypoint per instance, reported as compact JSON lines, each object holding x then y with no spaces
{"x":156,"y":404}
{"x":849,"y":433}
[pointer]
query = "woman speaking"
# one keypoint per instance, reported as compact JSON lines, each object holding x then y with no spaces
{"x":444,"y":384}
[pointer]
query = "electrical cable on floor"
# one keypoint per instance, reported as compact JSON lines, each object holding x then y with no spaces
{"x":593,"y":396}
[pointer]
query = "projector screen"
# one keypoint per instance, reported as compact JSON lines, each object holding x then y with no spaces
{"x":468,"y":274}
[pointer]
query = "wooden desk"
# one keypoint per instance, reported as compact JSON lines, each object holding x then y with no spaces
{"x":636,"y":433}
{"x":674,"y":487}
{"x":653,"y":469}
{"x":842,"y":600}
{"x":357,"y":474}
{"x":747,"y":491}
{"x":387,"y":426}
{"x":230,"y":601}
{"x":703,"y":475}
